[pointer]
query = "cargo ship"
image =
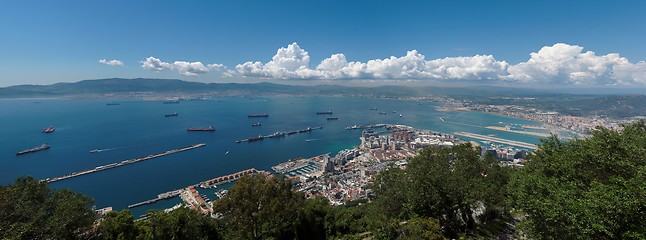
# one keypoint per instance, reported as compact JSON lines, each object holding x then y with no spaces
{"x":256,"y":125}
{"x":276,"y":134}
{"x":328,"y":112}
{"x":171,"y":115}
{"x":258,"y":138}
{"x":333,"y":118}
{"x":35,"y":149}
{"x":208,"y":129}
{"x":49,"y":129}
{"x":258,"y":115}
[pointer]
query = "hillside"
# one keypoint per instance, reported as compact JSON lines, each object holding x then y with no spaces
{"x":617,"y":106}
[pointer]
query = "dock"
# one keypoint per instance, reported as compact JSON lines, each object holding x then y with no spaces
{"x":205,"y":184}
{"x":122,"y":163}
{"x":226,"y":179}
{"x":161,"y":196}
{"x":498,"y":140}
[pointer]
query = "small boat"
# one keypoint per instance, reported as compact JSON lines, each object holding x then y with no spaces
{"x":382,"y":113}
{"x":49,"y":129}
{"x":333,"y":118}
{"x":96,"y":151}
{"x":112,"y":104}
{"x":326,"y":112}
{"x":171,"y":115}
{"x":256,"y":124}
{"x":375,"y":109}
{"x":400,"y":115}
{"x":226,"y":153}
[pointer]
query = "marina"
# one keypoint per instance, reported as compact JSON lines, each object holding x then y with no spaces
{"x":122,"y":163}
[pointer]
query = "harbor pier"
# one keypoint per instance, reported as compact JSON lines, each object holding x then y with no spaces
{"x":122,"y":163}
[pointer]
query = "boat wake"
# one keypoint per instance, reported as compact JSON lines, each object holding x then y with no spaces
{"x":102,"y":150}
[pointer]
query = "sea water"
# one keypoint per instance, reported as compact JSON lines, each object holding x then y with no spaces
{"x":138,"y":128}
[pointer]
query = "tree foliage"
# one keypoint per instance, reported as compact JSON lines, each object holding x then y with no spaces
{"x":586,"y":189}
{"x":454,"y":185}
{"x":183,"y":223}
{"x":29,"y":209}
{"x":261,"y":206}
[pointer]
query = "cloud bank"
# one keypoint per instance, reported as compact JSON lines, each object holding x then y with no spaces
{"x":113,"y":62}
{"x":557,"y":64}
{"x":183,"y":67}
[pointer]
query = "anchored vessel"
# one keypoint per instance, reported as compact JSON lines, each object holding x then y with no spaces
{"x":328,"y":112}
{"x":333,"y":118}
{"x":49,"y":129}
{"x":171,"y":115}
{"x":208,"y":129}
{"x":256,"y":125}
{"x":35,"y":149}
{"x":258,"y":115}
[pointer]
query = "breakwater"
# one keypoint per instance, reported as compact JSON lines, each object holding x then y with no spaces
{"x":122,"y":163}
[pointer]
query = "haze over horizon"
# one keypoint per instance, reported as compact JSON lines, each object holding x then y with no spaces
{"x":547,"y":45}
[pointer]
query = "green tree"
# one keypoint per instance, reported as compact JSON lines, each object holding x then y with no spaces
{"x":183,"y":223}
{"x":421,"y":228}
{"x":586,"y":189}
{"x":117,"y":225}
{"x":310,"y":221}
{"x":29,"y":209}
{"x":454,"y":185}
{"x":260,"y":206}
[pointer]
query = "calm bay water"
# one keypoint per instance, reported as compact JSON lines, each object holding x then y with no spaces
{"x":139,"y":128}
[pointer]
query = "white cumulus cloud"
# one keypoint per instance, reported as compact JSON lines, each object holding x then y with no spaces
{"x":569,"y":64}
{"x":113,"y":62}
{"x":182,"y":67}
{"x":292,"y":62}
{"x":557,"y":64}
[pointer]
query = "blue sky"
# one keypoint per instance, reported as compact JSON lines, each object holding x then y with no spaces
{"x":45,"y":42}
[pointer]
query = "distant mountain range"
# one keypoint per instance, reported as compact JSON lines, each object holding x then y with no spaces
{"x":575,"y":104}
{"x":121,"y":86}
